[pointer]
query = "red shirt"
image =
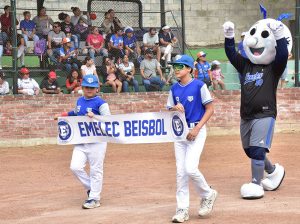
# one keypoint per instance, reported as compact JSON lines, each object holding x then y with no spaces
{"x":95,"y":41}
{"x":73,"y":85}
{"x":5,"y":23}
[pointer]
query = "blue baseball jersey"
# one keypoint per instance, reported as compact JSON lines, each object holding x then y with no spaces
{"x":116,"y":40}
{"x":203,"y":70}
{"x":27,"y":25}
{"x":193,"y":96}
{"x":131,"y":43}
{"x":96,"y":105}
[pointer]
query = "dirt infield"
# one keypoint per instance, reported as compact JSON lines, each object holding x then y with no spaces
{"x":139,"y":185}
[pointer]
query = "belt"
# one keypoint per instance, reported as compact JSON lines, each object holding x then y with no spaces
{"x":192,"y":125}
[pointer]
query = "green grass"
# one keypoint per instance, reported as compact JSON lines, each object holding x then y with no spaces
{"x":212,"y":53}
{"x":30,"y":61}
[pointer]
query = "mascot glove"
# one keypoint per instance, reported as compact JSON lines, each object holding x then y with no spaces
{"x":277,"y":28}
{"x":228,"y":29}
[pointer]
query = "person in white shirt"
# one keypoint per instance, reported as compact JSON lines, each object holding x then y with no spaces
{"x":89,"y":67}
{"x":26,"y":85}
{"x":151,"y":41}
{"x":4,"y":86}
{"x":127,"y":71}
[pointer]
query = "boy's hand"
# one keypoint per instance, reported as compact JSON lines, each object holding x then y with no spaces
{"x":56,"y":116}
{"x":192,"y":134}
{"x":178,"y":107}
{"x":90,"y":114}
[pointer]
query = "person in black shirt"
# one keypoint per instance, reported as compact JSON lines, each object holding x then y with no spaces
{"x":266,"y":48}
{"x":49,"y":85}
{"x":69,"y":29}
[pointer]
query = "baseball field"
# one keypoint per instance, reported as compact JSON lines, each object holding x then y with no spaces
{"x":139,"y":185}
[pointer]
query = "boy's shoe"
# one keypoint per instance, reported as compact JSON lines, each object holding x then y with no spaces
{"x":92,"y":203}
{"x":207,"y":204}
{"x":180,"y":216}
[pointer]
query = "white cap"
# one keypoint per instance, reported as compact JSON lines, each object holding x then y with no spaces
{"x":165,"y":28}
{"x":215,"y":62}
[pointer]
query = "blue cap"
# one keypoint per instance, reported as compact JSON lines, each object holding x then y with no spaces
{"x":184,"y":59}
{"x":90,"y":81}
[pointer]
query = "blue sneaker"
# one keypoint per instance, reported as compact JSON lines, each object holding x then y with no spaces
{"x":91,"y":203}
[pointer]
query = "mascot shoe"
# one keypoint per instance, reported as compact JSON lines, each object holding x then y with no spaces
{"x":273,"y":180}
{"x":252,"y":191}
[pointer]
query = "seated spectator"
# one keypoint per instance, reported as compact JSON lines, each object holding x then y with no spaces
{"x":127,"y":72}
{"x":151,"y":41}
{"x":217,"y":75}
{"x":21,"y":49}
{"x":28,"y":28}
{"x":108,"y":25}
{"x":73,"y":82}
{"x":131,"y":45}
{"x":166,"y":40}
{"x":43,"y":23}
{"x":27,"y":85}
{"x":149,"y":68}
{"x":69,"y":29}
{"x":109,"y":72}
{"x":116,"y":46}
{"x":88,"y":67}
{"x":82,"y":30}
{"x":1,"y":48}
{"x":49,"y":84}
{"x":68,"y":55}
{"x":55,"y":38}
{"x":117,"y":23}
{"x":85,"y":17}
{"x":8,"y":48}
{"x":203,"y":69}
{"x":5,"y":22}
{"x":95,"y":43}
{"x":4,"y":87}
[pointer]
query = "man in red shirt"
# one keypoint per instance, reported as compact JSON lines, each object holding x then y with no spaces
{"x":95,"y":43}
{"x":5,"y":20}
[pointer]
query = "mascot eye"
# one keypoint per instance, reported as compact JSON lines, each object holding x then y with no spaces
{"x":265,"y":34}
{"x":252,"y":32}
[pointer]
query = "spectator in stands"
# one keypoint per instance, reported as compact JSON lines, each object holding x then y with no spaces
{"x":69,"y":29}
{"x":108,"y":25}
{"x":203,"y":69}
{"x":117,"y":23}
{"x":95,"y":43}
{"x":131,"y":45}
{"x":110,"y":77}
{"x":6,"y":21}
{"x":116,"y":47}
{"x":50,"y":85}
{"x":217,"y":75}
{"x":28,"y":28}
{"x":82,"y":30}
{"x":127,"y":72}
{"x":4,"y":87}
{"x":27,"y":85}
{"x":43,"y":22}
{"x":166,"y":41}
{"x":151,"y":41}
{"x":68,"y":55}
{"x":73,"y":82}
{"x":149,"y":69}
{"x":21,"y":48}
{"x":1,"y":48}
{"x":88,"y":67}
{"x":85,"y":17}
{"x":55,"y":38}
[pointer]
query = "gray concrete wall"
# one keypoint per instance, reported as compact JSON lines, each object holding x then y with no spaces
{"x":204,"y":18}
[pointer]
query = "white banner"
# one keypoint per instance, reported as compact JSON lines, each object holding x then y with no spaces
{"x":123,"y":128}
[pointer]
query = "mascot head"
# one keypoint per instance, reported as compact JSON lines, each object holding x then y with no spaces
{"x":260,"y":44}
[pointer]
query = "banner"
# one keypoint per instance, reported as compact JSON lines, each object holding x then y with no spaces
{"x":123,"y":128}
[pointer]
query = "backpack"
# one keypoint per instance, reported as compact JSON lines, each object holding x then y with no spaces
{"x":40,"y":47}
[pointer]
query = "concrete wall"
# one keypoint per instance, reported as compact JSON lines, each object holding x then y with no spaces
{"x":204,"y":18}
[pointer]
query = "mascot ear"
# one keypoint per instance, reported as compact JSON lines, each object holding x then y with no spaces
{"x":284,"y":16}
{"x":263,"y":10}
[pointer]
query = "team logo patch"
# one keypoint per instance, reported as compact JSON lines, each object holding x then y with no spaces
{"x":177,"y":99}
{"x":190,"y":98}
{"x":177,"y":125}
{"x":90,"y":80}
{"x":64,"y":131}
{"x":88,"y":109}
{"x":78,"y":109}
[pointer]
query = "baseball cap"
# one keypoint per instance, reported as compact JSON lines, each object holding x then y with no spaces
{"x":165,"y":28}
{"x":52,"y":75}
{"x":66,"y":40}
{"x":201,"y":54}
{"x":149,"y":51}
{"x":24,"y":70}
{"x":90,"y":81}
{"x":215,"y":62}
{"x":184,"y":59}
{"x":128,"y":29}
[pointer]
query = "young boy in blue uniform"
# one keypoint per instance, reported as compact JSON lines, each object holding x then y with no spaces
{"x":191,"y":96}
{"x":89,"y":104}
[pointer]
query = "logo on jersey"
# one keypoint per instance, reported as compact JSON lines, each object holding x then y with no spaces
{"x":257,"y":78}
{"x":177,"y":125}
{"x":78,"y":109}
{"x":177,"y":99}
{"x":64,"y":131}
{"x":190,"y":98}
{"x":88,"y":109}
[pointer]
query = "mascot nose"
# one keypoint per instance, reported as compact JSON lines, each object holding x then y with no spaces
{"x":251,"y":41}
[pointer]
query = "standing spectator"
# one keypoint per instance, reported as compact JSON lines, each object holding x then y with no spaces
{"x":28,"y":28}
{"x":131,"y":45}
{"x":85,"y":17}
{"x":217,"y":75}
{"x":43,"y":22}
{"x":148,"y":68}
{"x":4,"y":87}
{"x":108,"y":25}
{"x":26,"y":85}
{"x":127,"y":71}
{"x":21,"y":49}
{"x":6,"y":21}
{"x":203,"y":69}
{"x":55,"y":38}
{"x":73,"y":82}
{"x":95,"y":43}
{"x":116,"y":46}
{"x":68,"y":55}
{"x":151,"y":41}
{"x":166,"y":40}
{"x":68,"y":28}
{"x":241,"y":46}
{"x":109,"y":72}
{"x":117,"y":23}
{"x":50,"y":85}
{"x":82,"y":30}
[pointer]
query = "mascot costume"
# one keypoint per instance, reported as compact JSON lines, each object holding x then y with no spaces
{"x":266,"y":44}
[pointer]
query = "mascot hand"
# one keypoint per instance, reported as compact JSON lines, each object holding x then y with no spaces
{"x":277,"y":28}
{"x":228,"y":29}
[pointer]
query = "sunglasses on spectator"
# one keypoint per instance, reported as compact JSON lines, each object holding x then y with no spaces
{"x":178,"y":66}
{"x":56,"y":26}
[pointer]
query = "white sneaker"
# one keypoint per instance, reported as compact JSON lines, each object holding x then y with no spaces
{"x":252,"y":191}
{"x":163,"y":58}
{"x":273,"y":180}
{"x":181,"y":216}
{"x":207,"y":204}
{"x":92,"y":203}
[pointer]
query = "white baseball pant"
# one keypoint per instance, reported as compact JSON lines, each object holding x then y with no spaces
{"x":167,"y":52}
{"x":93,"y":153}
{"x":187,"y":155}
